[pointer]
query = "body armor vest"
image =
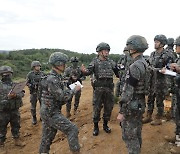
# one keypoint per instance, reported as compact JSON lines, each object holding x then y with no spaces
{"x":103,"y":70}
{"x":47,"y":97}
{"x":5,"y":103}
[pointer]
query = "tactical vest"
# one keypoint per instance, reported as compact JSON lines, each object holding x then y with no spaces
{"x":47,"y":97}
{"x":160,"y":61}
{"x":34,"y":79}
{"x":142,"y":86}
{"x":103,"y":69}
{"x":103,"y":74}
{"x":5,"y":103}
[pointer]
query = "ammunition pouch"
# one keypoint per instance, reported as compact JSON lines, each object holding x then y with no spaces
{"x":137,"y":104}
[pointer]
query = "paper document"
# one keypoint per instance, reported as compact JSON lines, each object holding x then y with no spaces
{"x":72,"y":86}
{"x":169,"y":72}
{"x":18,"y":87}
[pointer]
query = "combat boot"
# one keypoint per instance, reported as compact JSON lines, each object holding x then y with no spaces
{"x":68,"y":114}
{"x":34,"y":120}
{"x":106,"y":128}
{"x":148,"y":118}
{"x":18,"y":142}
{"x":175,"y":150}
{"x":96,"y":129}
{"x":157,"y":121}
{"x":170,"y":139}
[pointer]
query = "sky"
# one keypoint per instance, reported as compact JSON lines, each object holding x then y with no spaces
{"x":80,"y":25}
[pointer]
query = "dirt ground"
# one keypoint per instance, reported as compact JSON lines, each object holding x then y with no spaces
{"x":153,"y":136}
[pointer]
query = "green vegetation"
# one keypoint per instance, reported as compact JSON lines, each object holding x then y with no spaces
{"x":20,"y":60}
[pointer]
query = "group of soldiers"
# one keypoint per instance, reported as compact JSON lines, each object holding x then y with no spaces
{"x":138,"y":77}
{"x":157,"y":87}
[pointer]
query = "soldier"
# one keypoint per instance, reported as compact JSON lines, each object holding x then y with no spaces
{"x":53,"y":96}
{"x":103,"y":69}
{"x":10,"y":103}
{"x":33,"y":78}
{"x":158,"y":59}
{"x":176,"y":67}
{"x":73,"y":74}
{"x":132,"y":102}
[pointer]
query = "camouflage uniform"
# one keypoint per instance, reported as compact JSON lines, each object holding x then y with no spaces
{"x":53,"y":96}
{"x":123,"y":65}
{"x":158,"y":84}
{"x":132,"y":102}
{"x":33,"y":78}
{"x":9,"y":107}
{"x":176,"y":96}
{"x":177,"y":102}
{"x":103,"y":86}
{"x":73,"y":74}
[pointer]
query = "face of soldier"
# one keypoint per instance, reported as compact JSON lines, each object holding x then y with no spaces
{"x":60,"y":68}
{"x":157,"y":45}
{"x":177,"y":49}
{"x":104,"y":54}
{"x":131,"y":52}
{"x":6,"y":76}
{"x":37,"y":68}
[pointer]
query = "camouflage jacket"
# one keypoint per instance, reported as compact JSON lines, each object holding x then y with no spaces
{"x":103,"y":72}
{"x":135,"y":86}
{"x":33,"y":79}
{"x":5,"y":102}
{"x":73,"y":74}
{"x":54,"y":92}
{"x":123,"y":65}
{"x":157,"y":62}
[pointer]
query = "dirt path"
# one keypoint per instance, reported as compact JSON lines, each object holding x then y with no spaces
{"x":153,"y":142}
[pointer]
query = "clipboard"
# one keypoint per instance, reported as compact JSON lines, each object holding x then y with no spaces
{"x":18,"y":87}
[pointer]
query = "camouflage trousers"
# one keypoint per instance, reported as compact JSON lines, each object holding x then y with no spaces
{"x":131,"y":132}
{"x":102,"y":98}
{"x":76,"y":101}
{"x":177,"y":116}
{"x":173,"y":106}
{"x":53,"y":122}
{"x":33,"y":99}
{"x":12,"y":117}
{"x":159,"y":97}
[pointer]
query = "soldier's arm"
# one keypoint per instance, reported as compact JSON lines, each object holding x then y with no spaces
{"x":89,"y":70}
{"x":29,"y":81}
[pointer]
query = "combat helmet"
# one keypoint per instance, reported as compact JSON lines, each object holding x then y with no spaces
{"x":170,"y":41}
{"x":177,"y":41}
{"x":137,"y":42}
{"x":58,"y":58}
{"x":102,"y":46}
{"x":35,"y":63}
{"x":74,"y":59}
{"x":161,"y":38}
{"x":5,"y":69}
